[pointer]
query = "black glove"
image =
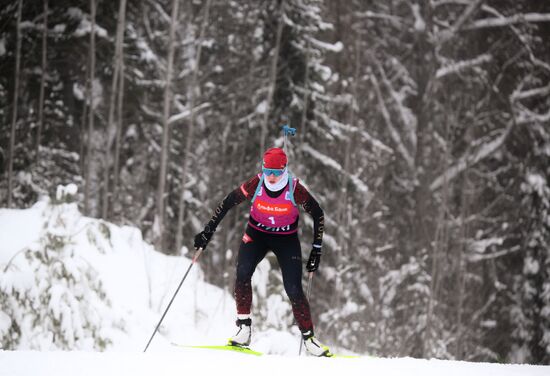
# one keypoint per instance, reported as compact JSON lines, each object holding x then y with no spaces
{"x":203,"y":238}
{"x":314,"y":259}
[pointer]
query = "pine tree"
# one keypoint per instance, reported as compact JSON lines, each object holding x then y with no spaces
{"x":52,"y":297}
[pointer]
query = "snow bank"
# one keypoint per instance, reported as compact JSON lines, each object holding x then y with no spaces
{"x":138,"y":282}
{"x":18,"y":229}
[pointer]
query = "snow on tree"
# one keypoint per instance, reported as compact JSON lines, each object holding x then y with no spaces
{"x":531,"y":289}
{"x":51,"y":297}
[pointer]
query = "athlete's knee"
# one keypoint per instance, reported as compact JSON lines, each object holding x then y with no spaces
{"x":294,"y":291}
{"x":244,"y":273}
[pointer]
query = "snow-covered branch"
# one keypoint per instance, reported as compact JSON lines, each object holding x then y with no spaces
{"x":450,"y":33}
{"x":333,"y":47}
{"x":419,"y":22}
{"x":407,"y":118}
{"x":470,"y":159}
{"x":463,"y":65}
{"x":341,"y":131}
{"x":541,"y":91}
{"x":507,"y":21}
{"x":478,"y":248}
{"x":163,"y":14}
{"x":186,"y":113}
{"x":150,"y":112}
{"x":438,"y":3}
{"x":520,"y":37}
{"x":394,"y":20}
{"x":331,"y":163}
{"x":393,"y":131}
{"x":527,"y":116}
{"x":374,"y":141}
{"x":174,"y":118}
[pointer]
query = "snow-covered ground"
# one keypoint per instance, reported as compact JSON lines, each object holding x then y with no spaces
{"x":139,"y":282}
{"x":210,"y":362}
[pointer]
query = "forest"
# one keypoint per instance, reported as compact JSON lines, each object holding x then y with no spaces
{"x":423,"y":130}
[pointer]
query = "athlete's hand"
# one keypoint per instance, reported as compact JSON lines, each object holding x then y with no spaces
{"x":203,"y":238}
{"x":314,"y":259}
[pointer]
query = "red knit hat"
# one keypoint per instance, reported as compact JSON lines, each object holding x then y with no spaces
{"x":275,"y":158}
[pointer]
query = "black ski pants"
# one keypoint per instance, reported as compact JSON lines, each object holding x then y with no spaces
{"x":253,"y":249}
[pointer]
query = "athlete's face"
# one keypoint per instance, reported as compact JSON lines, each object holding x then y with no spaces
{"x":272,"y":179}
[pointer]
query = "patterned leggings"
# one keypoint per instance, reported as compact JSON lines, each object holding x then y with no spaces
{"x":254,"y":247}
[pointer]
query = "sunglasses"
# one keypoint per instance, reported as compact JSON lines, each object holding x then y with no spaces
{"x":274,"y":171}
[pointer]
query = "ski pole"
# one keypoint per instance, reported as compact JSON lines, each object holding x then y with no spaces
{"x":195,"y":257}
{"x":308,"y":290}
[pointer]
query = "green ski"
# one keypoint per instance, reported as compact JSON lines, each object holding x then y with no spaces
{"x":249,"y":351}
{"x":239,"y":349}
{"x":343,"y":356}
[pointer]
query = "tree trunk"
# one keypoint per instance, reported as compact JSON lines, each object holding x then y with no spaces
{"x":42,"y":83}
{"x":303,"y":121}
{"x":423,"y":111}
{"x":120,"y":108}
{"x":461,"y":262}
{"x":112,"y":103}
{"x":190,"y":134}
{"x":424,"y":71}
{"x":83,"y":122}
{"x":272,"y":78}
{"x":229,"y":178}
{"x":342,"y":209}
{"x":159,"y":219}
{"x":91,"y":113}
{"x":342,"y":204}
{"x":11,"y":153}
{"x":440,"y":244}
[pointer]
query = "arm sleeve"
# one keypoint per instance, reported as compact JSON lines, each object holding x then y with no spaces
{"x":244,"y":192}
{"x":304,"y":199}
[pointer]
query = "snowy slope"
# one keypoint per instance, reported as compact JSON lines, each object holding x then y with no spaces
{"x":139,"y":282}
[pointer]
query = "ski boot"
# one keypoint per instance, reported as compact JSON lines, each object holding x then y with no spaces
{"x":313,"y":346}
{"x":244,"y":334}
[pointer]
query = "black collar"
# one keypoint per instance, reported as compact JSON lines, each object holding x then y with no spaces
{"x":273,"y":194}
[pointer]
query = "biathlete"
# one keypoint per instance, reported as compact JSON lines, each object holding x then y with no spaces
{"x":272,"y":226}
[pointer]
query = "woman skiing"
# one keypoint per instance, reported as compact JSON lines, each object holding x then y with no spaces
{"x":272,"y":226}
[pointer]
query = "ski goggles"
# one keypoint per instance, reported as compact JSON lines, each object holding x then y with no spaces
{"x":273,"y":171}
